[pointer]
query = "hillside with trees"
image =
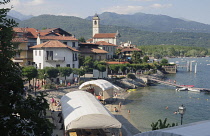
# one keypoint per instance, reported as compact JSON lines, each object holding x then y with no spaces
{"x":83,"y":28}
{"x":153,"y":23}
{"x":159,"y":51}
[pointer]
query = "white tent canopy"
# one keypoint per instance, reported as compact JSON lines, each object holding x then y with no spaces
{"x":103,"y":84}
{"x":194,"y":129}
{"x":103,"y":87}
{"x":81,"y":110}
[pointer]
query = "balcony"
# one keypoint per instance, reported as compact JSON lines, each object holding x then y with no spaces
{"x":18,"y":60}
{"x":54,"y":59}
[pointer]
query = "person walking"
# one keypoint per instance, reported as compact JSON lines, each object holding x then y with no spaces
{"x":120,"y":104}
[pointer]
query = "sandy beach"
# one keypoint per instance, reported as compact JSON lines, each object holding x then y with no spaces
{"x":122,"y":115}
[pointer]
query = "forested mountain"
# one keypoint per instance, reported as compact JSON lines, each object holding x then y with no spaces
{"x":16,"y":20}
{"x":18,"y":15}
{"x":154,"y":23}
{"x":83,"y":28}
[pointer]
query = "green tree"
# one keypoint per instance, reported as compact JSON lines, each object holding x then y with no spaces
{"x":51,"y":72}
{"x":101,"y":68}
{"x":29,"y":72}
{"x":114,"y":68}
{"x":164,"y":61}
{"x":136,"y":57}
{"x":18,"y":116}
{"x":65,"y":71}
{"x":89,"y":63}
{"x":81,"y":60}
{"x":145,"y":59}
{"x":123,"y":68}
{"x":78,"y":71}
{"x":162,"y":124}
{"x":118,"y":52}
{"x":82,"y":39}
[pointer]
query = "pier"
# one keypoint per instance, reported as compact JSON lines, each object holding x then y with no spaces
{"x":172,"y":83}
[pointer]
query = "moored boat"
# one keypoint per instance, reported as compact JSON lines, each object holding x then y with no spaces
{"x":182,"y":89}
{"x":188,"y":86}
{"x":194,"y":90}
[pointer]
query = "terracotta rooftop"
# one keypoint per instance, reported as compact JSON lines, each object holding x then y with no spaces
{"x":92,"y":50}
{"x":33,"y":33}
{"x":59,"y":38}
{"x":124,"y":49}
{"x":47,"y":30}
{"x":105,"y":43}
{"x":117,"y":62}
{"x":89,"y":40}
{"x":53,"y":44}
{"x":20,"y":40}
{"x":105,"y":35}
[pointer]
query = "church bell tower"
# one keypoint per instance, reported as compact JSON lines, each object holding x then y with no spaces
{"x":96,"y":21}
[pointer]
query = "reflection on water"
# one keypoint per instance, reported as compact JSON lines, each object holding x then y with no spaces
{"x":149,"y":103}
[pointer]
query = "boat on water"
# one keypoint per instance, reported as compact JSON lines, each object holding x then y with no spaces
{"x":188,"y":86}
{"x":131,"y":90}
{"x":182,"y":89}
{"x":194,"y":90}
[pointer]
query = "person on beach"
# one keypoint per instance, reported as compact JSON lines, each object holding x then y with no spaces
{"x":52,"y":100}
{"x":120,"y":104}
{"x":129,"y":111}
{"x":115,"y":109}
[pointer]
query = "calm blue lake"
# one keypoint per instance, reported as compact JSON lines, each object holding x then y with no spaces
{"x":148,"y":104}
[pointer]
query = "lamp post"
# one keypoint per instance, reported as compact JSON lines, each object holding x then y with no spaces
{"x":181,"y":111}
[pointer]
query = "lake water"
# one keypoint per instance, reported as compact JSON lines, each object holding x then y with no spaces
{"x":148,"y":104}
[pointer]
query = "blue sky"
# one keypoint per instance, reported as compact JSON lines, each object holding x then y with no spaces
{"x":195,"y":10}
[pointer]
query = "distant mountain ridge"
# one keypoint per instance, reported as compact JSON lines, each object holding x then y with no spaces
{"x":83,"y":28}
{"x":154,"y":23}
{"x":18,"y":15}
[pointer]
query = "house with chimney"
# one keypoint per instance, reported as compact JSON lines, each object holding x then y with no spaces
{"x":54,"y":53}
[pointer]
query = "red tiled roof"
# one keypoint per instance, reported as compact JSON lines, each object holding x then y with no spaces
{"x":48,"y":30}
{"x":33,"y":31}
{"x":117,"y":62}
{"x":20,"y":40}
{"x":124,"y":49}
{"x":92,"y":50}
{"x":90,"y":40}
{"x":105,"y":35}
{"x":53,"y":44}
{"x":59,"y":38}
{"x":105,"y":43}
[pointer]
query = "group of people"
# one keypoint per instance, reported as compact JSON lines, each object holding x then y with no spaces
{"x":55,"y":103}
{"x":120,"y":105}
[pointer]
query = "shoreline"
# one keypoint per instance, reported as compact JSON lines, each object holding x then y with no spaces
{"x":122,"y":115}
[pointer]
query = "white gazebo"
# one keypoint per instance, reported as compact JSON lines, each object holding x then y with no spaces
{"x":81,"y":110}
{"x":101,"y":88}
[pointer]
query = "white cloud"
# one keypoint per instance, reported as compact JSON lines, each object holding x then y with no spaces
{"x":161,"y":6}
{"x":124,"y":9}
{"x":141,"y":0}
{"x":135,"y":9}
{"x":35,"y":2}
